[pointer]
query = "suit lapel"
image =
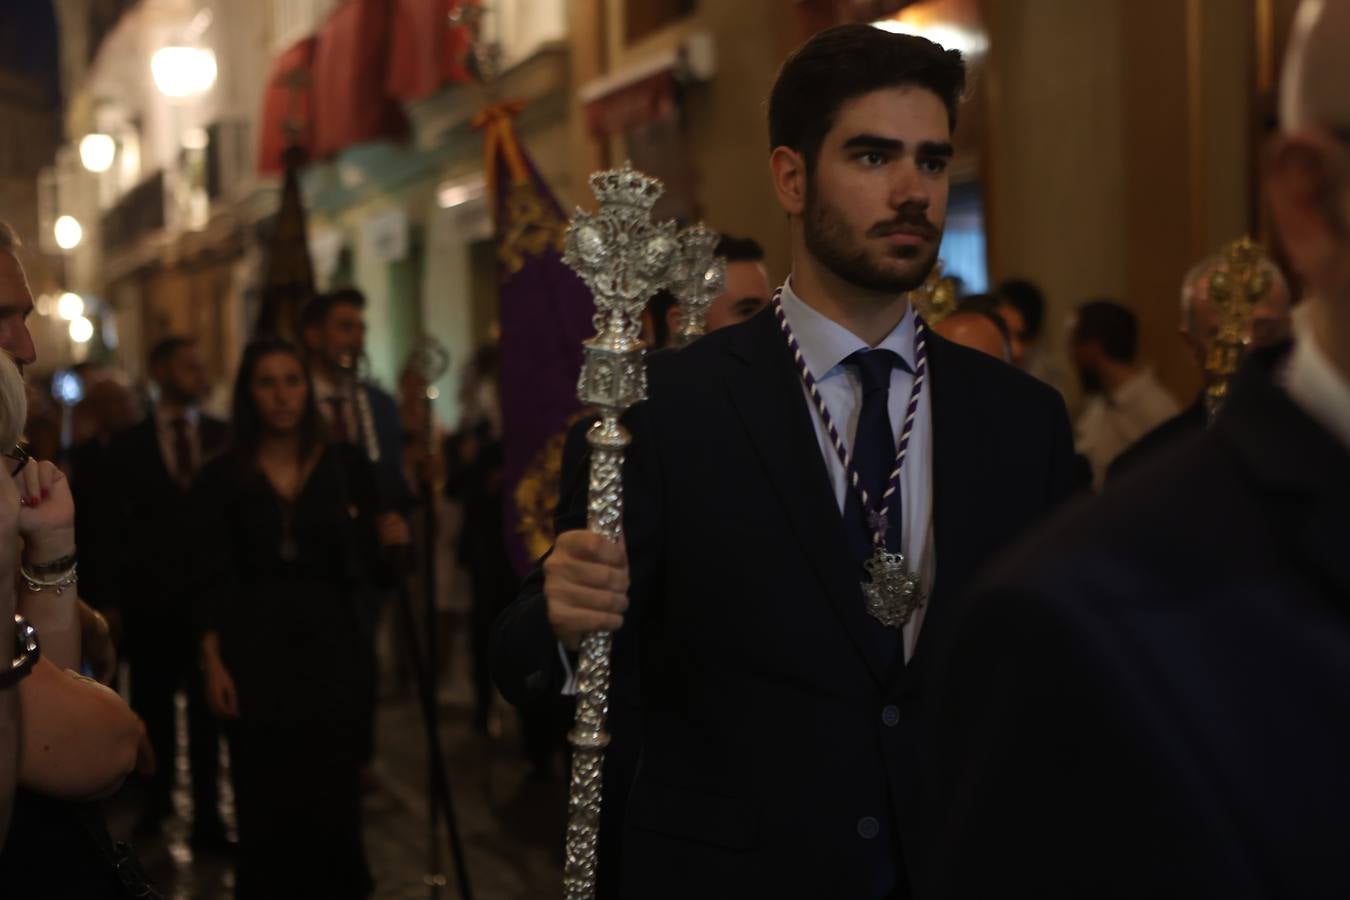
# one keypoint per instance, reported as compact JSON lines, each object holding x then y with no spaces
{"x":150,"y":448}
{"x":767,"y":393}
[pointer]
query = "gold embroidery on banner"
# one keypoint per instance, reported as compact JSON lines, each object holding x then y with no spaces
{"x":538,"y":491}
{"x":531,"y":228}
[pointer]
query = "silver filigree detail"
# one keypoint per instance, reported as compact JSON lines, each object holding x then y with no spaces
{"x":700,"y":275}
{"x":892,"y":591}
{"x":624,"y":258}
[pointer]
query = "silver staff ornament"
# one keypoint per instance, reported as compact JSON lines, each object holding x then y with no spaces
{"x":624,"y":258}
{"x":700,"y":275}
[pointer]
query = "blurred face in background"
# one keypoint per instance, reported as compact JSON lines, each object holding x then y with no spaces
{"x":746,"y":294}
{"x":1017,"y":331}
{"x":340,"y":339}
{"x":183,"y":378}
{"x":279,"y":392}
{"x":16,"y":303}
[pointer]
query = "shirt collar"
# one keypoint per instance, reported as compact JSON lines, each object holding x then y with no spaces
{"x":825,"y":344}
{"x":165,"y":415}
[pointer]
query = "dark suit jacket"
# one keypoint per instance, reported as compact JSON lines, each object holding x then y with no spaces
{"x":1188,"y":422}
{"x":146,"y":540}
{"x":394,"y":493}
{"x":1150,"y":699}
{"x":778,"y":755}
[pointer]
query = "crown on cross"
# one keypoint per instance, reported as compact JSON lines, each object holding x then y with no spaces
{"x":626,"y":187}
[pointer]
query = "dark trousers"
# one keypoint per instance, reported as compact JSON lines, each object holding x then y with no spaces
{"x":155,"y":679}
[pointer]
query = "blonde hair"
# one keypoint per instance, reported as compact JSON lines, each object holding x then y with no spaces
{"x":13,"y":403}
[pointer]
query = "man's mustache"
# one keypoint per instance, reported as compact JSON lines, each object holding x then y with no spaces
{"x":909,"y":220}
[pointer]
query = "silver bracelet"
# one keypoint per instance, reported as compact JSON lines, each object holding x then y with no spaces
{"x":57,"y":583}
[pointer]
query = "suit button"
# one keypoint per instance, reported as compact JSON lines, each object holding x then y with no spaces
{"x":868,"y":828}
{"x":890,"y":716}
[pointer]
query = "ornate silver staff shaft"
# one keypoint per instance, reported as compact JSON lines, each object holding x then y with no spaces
{"x":624,"y":258}
{"x":700,"y":276}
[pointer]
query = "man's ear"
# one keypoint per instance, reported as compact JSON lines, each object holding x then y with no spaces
{"x":788,"y":168}
{"x":1303,"y":182}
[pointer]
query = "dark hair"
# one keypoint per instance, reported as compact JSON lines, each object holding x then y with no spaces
{"x":246,"y":421}
{"x":739,"y":249}
{"x":659,"y":306}
{"x":1028,"y":300}
{"x":985,"y":305}
{"x":163,"y":352}
{"x":316,"y":311}
{"x":848,"y":61}
{"x":1110,"y":324}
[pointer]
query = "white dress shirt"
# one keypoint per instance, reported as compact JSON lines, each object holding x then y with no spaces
{"x":1315,"y":384}
{"x":1112,"y":421}
{"x":825,"y":344}
{"x":168,"y":439}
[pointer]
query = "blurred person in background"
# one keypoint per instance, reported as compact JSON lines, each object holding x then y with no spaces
{"x":1125,"y":399}
{"x":1200,"y":320}
{"x":286,"y":543}
{"x":143,"y":570}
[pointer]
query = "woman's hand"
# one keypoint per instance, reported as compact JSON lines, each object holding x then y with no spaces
{"x":221,"y":695}
{"x":393,"y":530}
{"x":46,"y":513}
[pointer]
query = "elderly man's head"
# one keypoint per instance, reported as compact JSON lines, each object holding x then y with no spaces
{"x":16,"y":301}
{"x":1201,"y":316}
{"x":1307,"y":170}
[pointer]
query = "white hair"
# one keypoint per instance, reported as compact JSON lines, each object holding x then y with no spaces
{"x":1206,"y":267}
{"x":1316,"y":69}
{"x":13,"y":403}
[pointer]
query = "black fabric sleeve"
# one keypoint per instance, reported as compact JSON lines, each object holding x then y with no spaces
{"x":214,"y":564}
{"x":524,"y":652}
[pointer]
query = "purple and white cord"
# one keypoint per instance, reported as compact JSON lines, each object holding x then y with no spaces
{"x":877,"y":519}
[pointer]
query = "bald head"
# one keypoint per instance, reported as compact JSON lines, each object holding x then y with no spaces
{"x":1307,"y":170}
{"x":975,"y":330}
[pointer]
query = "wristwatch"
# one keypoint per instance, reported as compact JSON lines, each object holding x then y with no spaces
{"x":26,"y":653}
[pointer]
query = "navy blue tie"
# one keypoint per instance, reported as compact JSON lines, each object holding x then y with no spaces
{"x":873,"y":451}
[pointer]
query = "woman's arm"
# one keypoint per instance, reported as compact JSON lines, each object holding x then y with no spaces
{"x":78,"y":739}
{"x":47,"y":523}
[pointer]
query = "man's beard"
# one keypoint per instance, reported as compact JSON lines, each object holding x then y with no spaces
{"x":828,"y":238}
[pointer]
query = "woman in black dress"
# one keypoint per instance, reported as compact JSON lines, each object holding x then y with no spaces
{"x":288,"y":537}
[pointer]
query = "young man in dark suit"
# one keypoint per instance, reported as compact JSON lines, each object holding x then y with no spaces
{"x":1149,"y":699}
{"x":144,"y":558}
{"x":780,"y":710}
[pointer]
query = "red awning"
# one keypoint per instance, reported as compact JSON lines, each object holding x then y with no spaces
{"x":350,"y":102}
{"x":643,"y":101}
{"x":427,"y":48}
{"x":288,"y":106}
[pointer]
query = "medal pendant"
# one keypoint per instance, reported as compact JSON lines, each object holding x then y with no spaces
{"x":893,"y":590}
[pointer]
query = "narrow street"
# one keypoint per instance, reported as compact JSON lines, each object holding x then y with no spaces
{"x":512,"y":824}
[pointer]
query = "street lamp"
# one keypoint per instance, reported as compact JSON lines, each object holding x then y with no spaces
{"x":68,"y":232}
{"x":97,"y":152}
{"x":81,"y":330}
{"x":183,"y":71}
{"x":70,"y":306}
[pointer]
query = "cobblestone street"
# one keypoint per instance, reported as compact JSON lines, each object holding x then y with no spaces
{"x":512,"y":823}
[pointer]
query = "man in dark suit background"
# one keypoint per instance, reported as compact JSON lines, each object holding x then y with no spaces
{"x":333,"y":329}
{"x":1149,"y":699}
{"x":780,"y":721}
{"x":145,"y":568}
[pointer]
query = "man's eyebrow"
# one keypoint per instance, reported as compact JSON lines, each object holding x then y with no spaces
{"x":927,"y":149}
{"x":874,"y":142}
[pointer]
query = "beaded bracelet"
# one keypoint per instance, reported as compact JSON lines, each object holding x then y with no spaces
{"x":57,"y":583}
